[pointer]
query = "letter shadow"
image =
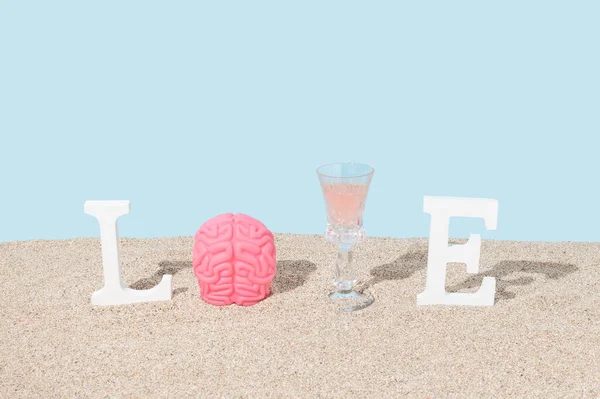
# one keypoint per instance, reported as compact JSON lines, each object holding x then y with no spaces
{"x":402,"y":268}
{"x":504,"y":269}
{"x":165,"y":267}
{"x":290,"y":275}
{"x":411,"y":262}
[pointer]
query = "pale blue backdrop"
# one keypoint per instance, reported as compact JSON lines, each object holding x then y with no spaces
{"x":194,"y":108}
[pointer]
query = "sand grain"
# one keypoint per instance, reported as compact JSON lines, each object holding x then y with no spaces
{"x":541,"y":339}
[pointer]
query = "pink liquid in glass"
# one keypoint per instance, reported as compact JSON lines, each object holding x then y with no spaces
{"x":345,"y":203}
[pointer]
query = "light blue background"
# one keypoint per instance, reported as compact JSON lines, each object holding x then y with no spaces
{"x":190,"y":109}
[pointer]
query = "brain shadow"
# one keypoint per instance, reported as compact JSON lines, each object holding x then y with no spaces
{"x":165,"y":267}
{"x":402,"y":268}
{"x":290,"y":275}
{"x":503,"y":270}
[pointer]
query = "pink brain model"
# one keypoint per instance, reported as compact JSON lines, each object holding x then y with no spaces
{"x":234,"y":260}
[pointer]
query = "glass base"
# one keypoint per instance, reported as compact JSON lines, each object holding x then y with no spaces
{"x":350,"y":301}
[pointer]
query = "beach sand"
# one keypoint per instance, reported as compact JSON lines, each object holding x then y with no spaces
{"x":540,"y":339}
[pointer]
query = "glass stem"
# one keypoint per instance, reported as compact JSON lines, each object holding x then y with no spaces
{"x":344,"y":275}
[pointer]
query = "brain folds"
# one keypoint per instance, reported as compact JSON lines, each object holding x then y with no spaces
{"x":234,"y":260}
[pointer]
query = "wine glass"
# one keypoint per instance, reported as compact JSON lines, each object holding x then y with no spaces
{"x":345,"y":187}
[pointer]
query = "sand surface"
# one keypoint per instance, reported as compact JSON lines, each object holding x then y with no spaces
{"x":540,"y":339}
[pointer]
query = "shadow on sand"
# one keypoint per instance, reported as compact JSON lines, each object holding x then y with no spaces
{"x":411,"y":262}
{"x":165,"y":267}
{"x":505,"y":269}
{"x":291,"y":274}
